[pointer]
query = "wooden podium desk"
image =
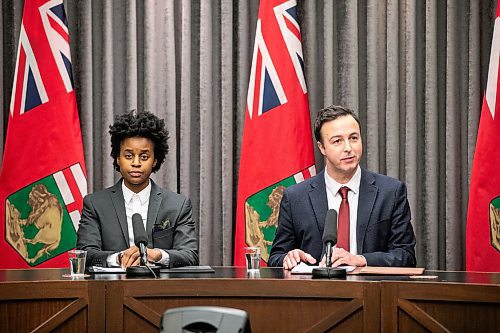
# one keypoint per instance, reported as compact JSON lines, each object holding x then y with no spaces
{"x":42,"y":301}
{"x":276,"y":301}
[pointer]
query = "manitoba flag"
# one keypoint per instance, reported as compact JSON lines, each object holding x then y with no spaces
{"x":277,"y":149}
{"x":43,"y":175}
{"x":483,"y":217}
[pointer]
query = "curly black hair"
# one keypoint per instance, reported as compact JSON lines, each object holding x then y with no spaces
{"x":139,"y":124}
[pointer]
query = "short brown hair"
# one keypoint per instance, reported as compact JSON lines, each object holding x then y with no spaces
{"x":330,"y":113}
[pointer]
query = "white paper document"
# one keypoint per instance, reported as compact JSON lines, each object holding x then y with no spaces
{"x":303,"y":268}
{"x":97,"y":269}
{"x":183,"y":269}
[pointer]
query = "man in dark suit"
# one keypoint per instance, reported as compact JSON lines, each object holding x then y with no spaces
{"x":379,"y":220}
{"x":138,"y":147}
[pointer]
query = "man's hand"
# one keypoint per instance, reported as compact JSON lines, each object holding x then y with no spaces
{"x":130,"y":257}
{"x":294,"y":257}
{"x":342,"y":257}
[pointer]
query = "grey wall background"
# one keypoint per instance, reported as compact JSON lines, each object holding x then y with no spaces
{"x":415,"y":71}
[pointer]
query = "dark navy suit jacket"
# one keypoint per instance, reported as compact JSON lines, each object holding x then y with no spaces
{"x":384,"y":232}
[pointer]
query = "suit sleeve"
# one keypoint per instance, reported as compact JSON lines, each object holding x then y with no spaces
{"x":184,"y":251}
{"x":400,"y":244}
{"x":284,"y":241}
{"x":89,"y":235}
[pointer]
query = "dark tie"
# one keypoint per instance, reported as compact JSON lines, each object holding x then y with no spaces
{"x":343,"y":224}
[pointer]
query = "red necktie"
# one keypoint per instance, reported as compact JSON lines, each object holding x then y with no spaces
{"x":343,"y":224}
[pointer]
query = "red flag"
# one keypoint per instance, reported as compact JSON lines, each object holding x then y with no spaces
{"x":483,"y":218}
{"x":277,"y":150}
{"x":43,"y":176}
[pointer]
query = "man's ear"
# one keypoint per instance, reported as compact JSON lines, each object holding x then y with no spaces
{"x":321,"y":148}
{"x":154,"y":163}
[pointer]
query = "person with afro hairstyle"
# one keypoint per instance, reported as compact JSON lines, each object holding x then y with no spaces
{"x":138,"y":148}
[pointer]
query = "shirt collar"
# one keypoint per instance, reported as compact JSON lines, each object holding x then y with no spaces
{"x":143,"y":195}
{"x":352,"y":184}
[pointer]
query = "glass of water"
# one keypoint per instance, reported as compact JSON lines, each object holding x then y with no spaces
{"x":252,"y":256}
{"x":77,"y":262}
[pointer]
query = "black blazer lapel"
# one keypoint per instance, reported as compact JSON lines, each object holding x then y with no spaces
{"x":119,"y":205}
{"x":319,"y":202}
{"x":155,"y":199}
{"x":367,"y":195}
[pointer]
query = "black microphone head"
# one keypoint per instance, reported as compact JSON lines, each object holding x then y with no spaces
{"x":139,"y":231}
{"x":330,"y":231}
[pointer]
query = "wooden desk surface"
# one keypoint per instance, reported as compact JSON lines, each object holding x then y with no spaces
{"x":277,"y":301}
{"x":266,"y":273}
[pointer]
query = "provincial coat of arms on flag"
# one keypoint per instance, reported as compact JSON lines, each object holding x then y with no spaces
{"x":35,"y":219}
{"x":43,"y":176}
{"x":262,"y":211}
{"x":495,"y":223}
{"x":277,"y":147}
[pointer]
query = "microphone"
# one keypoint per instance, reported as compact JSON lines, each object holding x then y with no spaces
{"x":330,"y":234}
{"x":141,"y":241}
{"x":140,"y":238}
{"x":329,"y":239}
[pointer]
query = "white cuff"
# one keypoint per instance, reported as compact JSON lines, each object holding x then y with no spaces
{"x":165,"y":258}
{"x":111,"y":260}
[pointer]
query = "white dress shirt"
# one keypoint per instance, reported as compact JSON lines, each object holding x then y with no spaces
{"x":334,"y":200}
{"x":136,"y":203}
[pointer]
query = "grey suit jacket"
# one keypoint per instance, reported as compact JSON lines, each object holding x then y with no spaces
{"x":384,"y":232}
{"x":103,"y":226}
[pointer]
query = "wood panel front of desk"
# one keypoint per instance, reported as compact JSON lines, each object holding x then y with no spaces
{"x":52,"y":306}
{"x":273,"y":305}
{"x":43,"y":301}
{"x":439,"y":307}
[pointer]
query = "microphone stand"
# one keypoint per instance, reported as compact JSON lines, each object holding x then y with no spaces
{"x":144,"y":269}
{"x":328,"y":272}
